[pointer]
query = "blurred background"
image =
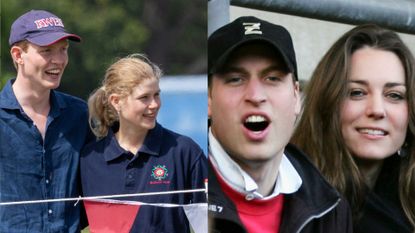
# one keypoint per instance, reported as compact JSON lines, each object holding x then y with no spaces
{"x":171,"y":33}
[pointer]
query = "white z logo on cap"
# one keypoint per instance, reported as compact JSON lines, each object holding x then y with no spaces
{"x":252,"y":28}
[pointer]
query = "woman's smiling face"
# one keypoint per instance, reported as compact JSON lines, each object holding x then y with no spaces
{"x":374,"y":115}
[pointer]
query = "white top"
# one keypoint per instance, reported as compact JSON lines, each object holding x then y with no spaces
{"x":288,"y":180}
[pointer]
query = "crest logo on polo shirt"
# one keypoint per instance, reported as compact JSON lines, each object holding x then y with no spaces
{"x":159,"y":172}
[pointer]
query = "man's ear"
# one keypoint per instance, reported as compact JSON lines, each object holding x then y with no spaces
{"x":16,"y":53}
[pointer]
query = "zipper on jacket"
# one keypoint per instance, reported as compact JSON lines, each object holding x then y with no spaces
{"x":318,"y":215}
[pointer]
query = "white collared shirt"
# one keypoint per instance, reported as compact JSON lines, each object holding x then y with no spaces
{"x":288,"y":180}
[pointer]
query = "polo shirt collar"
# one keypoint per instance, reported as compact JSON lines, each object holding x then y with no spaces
{"x":113,"y":150}
{"x":151,"y":144}
{"x":288,"y":180}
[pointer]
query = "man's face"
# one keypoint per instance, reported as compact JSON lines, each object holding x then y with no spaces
{"x":44,"y":65}
{"x":253,"y":104}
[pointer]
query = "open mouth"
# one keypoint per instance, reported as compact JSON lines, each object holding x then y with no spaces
{"x":373,"y":132}
{"x":150,"y":115}
{"x":53,"y":72}
{"x":256,"y":123}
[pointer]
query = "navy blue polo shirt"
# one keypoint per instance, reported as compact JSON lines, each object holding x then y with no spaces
{"x":34,"y":169}
{"x":166,"y":161}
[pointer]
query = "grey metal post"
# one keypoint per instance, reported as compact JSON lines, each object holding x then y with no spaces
{"x":218,"y":14}
{"x":397,"y":15}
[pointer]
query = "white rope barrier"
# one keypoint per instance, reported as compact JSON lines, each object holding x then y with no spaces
{"x":77,"y":199}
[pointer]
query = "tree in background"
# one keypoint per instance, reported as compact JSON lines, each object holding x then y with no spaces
{"x":171,"y":32}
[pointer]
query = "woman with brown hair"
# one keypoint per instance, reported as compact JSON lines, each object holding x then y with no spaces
{"x":358,"y":127}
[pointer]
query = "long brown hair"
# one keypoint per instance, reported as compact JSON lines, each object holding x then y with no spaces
{"x":120,"y":78}
{"x":318,"y":132}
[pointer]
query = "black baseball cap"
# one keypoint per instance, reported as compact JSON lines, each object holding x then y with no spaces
{"x":246,"y":29}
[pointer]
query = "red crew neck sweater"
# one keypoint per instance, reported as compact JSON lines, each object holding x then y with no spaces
{"x":258,"y":216}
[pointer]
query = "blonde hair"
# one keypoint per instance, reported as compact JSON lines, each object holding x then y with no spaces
{"x":120,"y":78}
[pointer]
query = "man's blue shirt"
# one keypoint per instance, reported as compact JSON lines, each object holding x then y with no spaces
{"x":35,"y":169}
{"x":166,"y":161}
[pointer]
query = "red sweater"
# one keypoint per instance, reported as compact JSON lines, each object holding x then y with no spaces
{"x":258,"y":216}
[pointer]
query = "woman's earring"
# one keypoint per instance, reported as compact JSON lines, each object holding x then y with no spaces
{"x":402,"y":151}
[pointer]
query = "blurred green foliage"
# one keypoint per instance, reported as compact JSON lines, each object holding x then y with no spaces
{"x":172,"y":33}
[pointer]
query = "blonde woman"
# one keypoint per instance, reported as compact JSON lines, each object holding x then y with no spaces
{"x":136,"y":154}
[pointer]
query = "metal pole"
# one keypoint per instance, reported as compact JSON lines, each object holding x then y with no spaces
{"x":398,"y":15}
{"x":218,"y":14}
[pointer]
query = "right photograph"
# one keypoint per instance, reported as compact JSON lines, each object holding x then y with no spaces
{"x":311,"y":117}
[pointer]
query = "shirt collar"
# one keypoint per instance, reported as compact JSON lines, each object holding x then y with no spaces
{"x":288,"y":180}
{"x":151,"y":144}
{"x":8,"y":100}
{"x":153,"y":141}
{"x":57,"y":103}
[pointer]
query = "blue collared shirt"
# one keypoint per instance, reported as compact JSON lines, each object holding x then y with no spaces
{"x":166,"y":161}
{"x":35,"y":169}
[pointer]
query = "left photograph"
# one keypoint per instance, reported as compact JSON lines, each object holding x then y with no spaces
{"x":103,"y":116}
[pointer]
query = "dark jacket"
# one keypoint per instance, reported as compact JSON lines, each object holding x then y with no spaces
{"x":315,"y":207}
{"x":382,"y":212}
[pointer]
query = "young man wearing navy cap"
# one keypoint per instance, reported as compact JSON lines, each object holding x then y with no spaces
{"x":257,"y":181}
{"x":41,"y":130}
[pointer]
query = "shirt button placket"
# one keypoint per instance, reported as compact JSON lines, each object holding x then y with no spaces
{"x":130,"y":182}
{"x":249,"y":197}
{"x":47,"y":182}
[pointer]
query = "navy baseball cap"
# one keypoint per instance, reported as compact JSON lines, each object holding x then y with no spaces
{"x":226,"y":39}
{"x":39,"y":27}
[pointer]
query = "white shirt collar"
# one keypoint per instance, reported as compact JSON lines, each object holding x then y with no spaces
{"x":288,"y":180}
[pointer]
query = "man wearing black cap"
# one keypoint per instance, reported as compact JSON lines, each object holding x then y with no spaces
{"x":41,"y":130}
{"x":258,"y":183}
